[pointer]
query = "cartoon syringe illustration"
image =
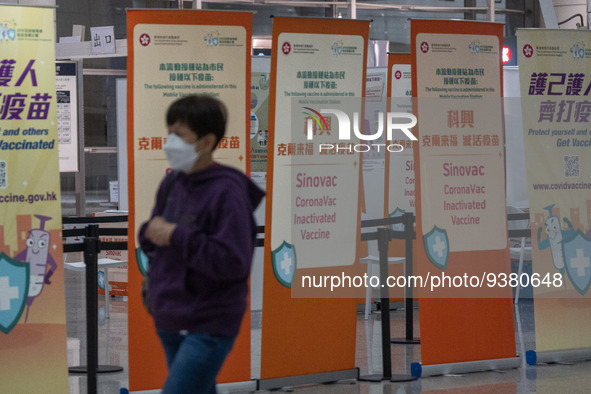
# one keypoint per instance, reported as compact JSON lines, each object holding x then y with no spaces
{"x":38,"y":257}
{"x":555,"y":235}
{"x":4,"y":35}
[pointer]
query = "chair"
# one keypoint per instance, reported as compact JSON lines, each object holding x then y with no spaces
{"x":519,"y":249}
{"x":373,"y":262}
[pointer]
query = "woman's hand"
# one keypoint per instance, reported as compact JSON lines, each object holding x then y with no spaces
{"x":159,"y":231}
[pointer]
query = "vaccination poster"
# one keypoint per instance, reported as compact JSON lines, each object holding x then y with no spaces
{"x":33,"y":349}
{"x":313,"y":181}
{"x":461,"y":142}
{"x":312,"y":196}
{"x":460,"y":192}
{"x":173,"y":54}
{"x":555,"y":84}
{"x":259,"y":123}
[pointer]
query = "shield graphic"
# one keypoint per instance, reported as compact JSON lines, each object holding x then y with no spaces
{"x":577,"y":261}
{"x":394,"y":214}
{"x":284,"y":263}
{"x":436,"y":245}
{"x":14,"y":290}
{"x":142,"y":261}
{"x":101,"y":280}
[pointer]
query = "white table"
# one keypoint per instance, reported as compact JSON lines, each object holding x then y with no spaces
{"x":102,"y":264}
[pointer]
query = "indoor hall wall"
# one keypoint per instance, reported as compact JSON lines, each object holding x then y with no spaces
{"x":49,"y":3}
{"x":566,"y":8}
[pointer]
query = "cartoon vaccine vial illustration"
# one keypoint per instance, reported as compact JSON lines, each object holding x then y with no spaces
{"x":38,"y":257}
{"x":554,"y":237}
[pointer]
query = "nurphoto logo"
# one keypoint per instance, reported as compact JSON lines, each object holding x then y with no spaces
{"x":393,"y":121}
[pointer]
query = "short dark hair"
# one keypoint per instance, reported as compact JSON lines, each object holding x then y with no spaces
{"x":203,"y":114}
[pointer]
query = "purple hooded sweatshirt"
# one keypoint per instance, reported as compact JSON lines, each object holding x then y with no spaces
{"x":200,"y":282}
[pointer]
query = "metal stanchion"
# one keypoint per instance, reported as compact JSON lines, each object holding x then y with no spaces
{"x":91,"y":251}
{"x":383,"y":237}
{"x":409,"y":339}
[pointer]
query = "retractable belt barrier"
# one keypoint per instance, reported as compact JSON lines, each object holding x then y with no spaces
{"x":525,"y":232}
{"x":91,"y":246}
{"x":384,"y":235}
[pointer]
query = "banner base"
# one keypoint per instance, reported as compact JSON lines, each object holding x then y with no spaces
{"x":100,"y":369}
{"x":235,"y":387}
{"x":419,"y":370}
{"x":325,"y":377}
{"x":556,"y":356}
{"x":405,"y":341}
{"x":392,"y":378}
{"x":222,"y":388}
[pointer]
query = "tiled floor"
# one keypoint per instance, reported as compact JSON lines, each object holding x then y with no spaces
{"x":554,"y":378}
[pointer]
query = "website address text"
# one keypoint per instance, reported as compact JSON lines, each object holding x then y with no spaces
{"x":433,"y":282}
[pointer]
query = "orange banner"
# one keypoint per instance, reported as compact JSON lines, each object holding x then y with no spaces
{"x":172,"y":54}
{"x":399,"y":190}
{"x":458,"y":72}
{"x":306,"y":335}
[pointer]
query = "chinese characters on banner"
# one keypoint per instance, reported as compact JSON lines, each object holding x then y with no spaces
{"x":19,"y":105}
{"x":555,"y":87}
{"x":32,"y":300}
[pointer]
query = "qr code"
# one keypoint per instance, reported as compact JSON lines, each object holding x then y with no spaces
{"x":3,"y":175}
{"x":571,"y":166}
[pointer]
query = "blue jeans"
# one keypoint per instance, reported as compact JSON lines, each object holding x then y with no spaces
{"x":194,"y":361}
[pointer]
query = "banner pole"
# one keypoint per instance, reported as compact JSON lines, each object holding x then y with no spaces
{"x":409,"y":235}
{"x":408,"y":290}
{"x":383,"y":240}
{"x":91,"y":249}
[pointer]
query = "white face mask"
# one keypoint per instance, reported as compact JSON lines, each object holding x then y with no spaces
{"x":181,"y":155}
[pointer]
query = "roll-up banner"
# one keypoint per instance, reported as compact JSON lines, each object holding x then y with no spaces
{"x":461,"y":246}
{"x":399,"y":193}
{"x":33,"y":348}
{"x":173,"y":54}
{"x":312,"y":197}
{"x":555,"y":85}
